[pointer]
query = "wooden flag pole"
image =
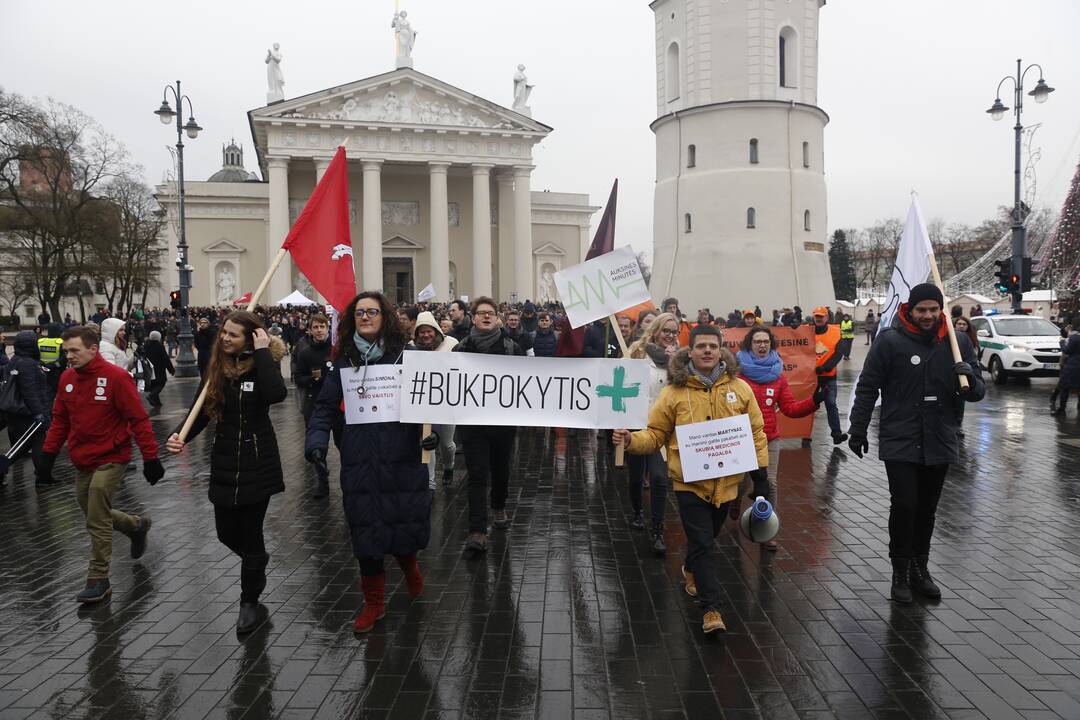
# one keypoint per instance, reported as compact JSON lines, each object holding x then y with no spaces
{"x":620,"y":450}
{"x":957,"y":357}
{"x":425,"y":454}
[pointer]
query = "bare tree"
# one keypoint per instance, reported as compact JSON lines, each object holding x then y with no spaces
{"x":875,"y":252}
{"x":131,"y":254}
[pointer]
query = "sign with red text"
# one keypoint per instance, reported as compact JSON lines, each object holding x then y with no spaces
{"x":716,"y":448}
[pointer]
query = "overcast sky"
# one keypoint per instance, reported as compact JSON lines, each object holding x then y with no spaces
{"x":905,"y":84}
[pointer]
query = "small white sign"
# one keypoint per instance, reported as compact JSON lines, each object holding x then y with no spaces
{"x":247,"y":386}
{"x":716,"y":448}
{"x":372,"y":394}
{"x":602,"y":286}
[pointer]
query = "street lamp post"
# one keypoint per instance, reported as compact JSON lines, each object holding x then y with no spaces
{"x":185,"y":359}
{"x":997,"y":111}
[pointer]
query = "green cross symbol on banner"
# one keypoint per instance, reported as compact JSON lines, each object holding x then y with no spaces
{"x":617,"y":391}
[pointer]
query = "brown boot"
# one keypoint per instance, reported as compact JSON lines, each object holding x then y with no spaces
{"x":413,"y":579}
{"x":374,"y":587}
{"x":712,"y":622}
{"x":691,"y":587}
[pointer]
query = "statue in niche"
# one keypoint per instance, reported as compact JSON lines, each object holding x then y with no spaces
{"x":275,"y":81}
{"x":546,"y":292}
{"x":522,"y":90}
{"x":226,"y":285}
{"x":406,"y":38}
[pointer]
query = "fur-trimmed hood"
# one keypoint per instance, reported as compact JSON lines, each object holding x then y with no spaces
{"x":679,"y":367}
{"x":277,"y":348}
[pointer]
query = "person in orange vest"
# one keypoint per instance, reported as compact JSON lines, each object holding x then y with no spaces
{"x":828,"y":353}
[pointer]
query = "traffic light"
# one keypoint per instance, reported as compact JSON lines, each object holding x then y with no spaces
{"x":1004,"y":275}
{"x":174,"y":299}
{"x":1025,"y":275}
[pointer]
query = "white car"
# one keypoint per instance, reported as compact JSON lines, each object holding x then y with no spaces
{"x":1018,"y":345}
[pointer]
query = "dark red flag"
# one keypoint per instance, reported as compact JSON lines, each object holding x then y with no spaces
{"x":319,"y":241}
{"x":572,"y":340}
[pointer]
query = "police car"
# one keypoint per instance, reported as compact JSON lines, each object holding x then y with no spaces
{"x":1018,"y":345}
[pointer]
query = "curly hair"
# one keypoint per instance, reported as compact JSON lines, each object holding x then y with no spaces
{"x":220,"y":361}
{"x":747,"y":343}
{"x":391,"y":333}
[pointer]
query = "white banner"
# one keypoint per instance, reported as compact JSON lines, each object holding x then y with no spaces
{"x":372,"y":394}
{"x":473,"y":389}
{"x":602,"y":286}
{"x":716,"y":448}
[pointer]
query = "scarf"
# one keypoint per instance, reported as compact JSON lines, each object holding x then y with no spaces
{"x":657,"y":354}
{"x":760,"y":370}
{"x":935,"y":335}
{"x":484,"y":340}
{"x":370,"y":352}
{"x":709,"y":380}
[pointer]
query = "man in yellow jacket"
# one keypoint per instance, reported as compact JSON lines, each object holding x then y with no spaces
{"x":702,"y":385}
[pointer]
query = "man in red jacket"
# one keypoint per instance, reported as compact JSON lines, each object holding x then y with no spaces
{"x":96,"y":412}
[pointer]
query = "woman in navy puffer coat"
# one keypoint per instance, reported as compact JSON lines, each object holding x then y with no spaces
{"x":384,"y":486}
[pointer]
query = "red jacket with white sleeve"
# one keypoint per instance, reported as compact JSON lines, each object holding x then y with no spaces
{"x":777,"y":395}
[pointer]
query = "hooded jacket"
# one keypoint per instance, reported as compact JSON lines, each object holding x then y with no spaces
{"x":685,"y":400}
{"x":26,"y":370}
{"x":426,"y":319}
{"x":107,"y":348}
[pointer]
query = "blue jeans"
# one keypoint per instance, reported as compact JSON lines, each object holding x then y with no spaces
{"x":829,"y":383}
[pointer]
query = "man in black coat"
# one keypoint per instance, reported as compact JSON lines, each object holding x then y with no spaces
{"x":25,"y":371}
{"x":155,"y":352}
{"x":460,"y":317}
{"x":911,"y":365}
{"x":545,"y":340}
{"x":312,"y":365}
{"x":204,"y":344}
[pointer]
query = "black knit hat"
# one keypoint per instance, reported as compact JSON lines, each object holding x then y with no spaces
{"x":925,"y":291}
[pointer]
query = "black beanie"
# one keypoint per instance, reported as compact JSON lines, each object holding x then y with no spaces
{"x":925,"y":291}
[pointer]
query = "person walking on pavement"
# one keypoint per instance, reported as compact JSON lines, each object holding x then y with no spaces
{"x":204,"y":344}
{"x":114,"y":342}
{"x":702,"y":384}
{"x":159,"y":358}
{"x":242,"y":381}
{"x":828,"y":351}
{"x":51,"y":352}
{"x":847,"y":335}
{"x":30,"y":400}
{"x":312,"y":365}
{"x":911,"y":367}
{"x":427,"y":336}
{"x":96,"y":414}
{"x":384,"y":486}
{"x":870,"y":325}
{"x":1070,"y":372}
{"x":487,"y":447}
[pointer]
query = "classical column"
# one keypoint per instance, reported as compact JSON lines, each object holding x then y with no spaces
{"x":279,"y":228}
{"x":523,"y":260}
{"x":481,"y":243}
{"x":504,"y":281}
{"x":371,"y":265}
{"x":439,"y":232}
{"x":586,"y":241}
{"x":321,"y":163}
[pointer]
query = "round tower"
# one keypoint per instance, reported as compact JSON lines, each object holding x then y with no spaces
{"x":739,"y":210}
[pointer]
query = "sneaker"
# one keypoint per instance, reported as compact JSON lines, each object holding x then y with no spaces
{"x":251,"y":616}
{"x":638,"y":523}
{"x":688,"y":578}
{"x":97,"y":589}
{"x":658,"y":546}
{"x":500,"y":520}
{"x":138,"y":538}
{"x":712,"y":622}
{"x":476,"y":542}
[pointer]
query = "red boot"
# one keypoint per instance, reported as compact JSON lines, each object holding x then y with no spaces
{"x":413,"y":579}
{"x":374,"y":587}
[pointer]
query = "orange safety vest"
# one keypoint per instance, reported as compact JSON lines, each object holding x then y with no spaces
{"x":825,"y":347}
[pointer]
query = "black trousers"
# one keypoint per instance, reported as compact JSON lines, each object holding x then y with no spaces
{"x":702,"y":522}
{"x":487,"y":458}
{"x":636,"y":467}
{"x":241,"y":530}
{"x":16,"y":426}
{"x":914,"y":491}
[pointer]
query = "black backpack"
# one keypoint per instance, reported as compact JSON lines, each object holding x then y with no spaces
{"x":11,"y":399}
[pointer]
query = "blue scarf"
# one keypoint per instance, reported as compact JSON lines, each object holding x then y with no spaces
{"x":761,"y":371}
{"x":370,"y":352}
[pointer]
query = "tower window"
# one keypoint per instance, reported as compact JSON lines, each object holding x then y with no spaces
{"x":806,"y":154}
{"x":688,"y":221}
{"x":751,"y":217}
{"x":787,"y":57}
{"x":806,"y":221}
{"x":674,"y":73}
{"x":691,"y":156}
{"x":753,"y":151}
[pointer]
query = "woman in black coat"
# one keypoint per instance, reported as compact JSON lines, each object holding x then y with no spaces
{"x":384,"y":486}
{"x":242,"y":381}
{"x":25,"y":370}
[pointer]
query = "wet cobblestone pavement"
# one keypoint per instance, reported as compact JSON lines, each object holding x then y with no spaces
{"x":568,"y":615}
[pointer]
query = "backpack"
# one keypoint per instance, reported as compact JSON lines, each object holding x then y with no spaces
{"x":11,"y":399}
{"x":143,"y":372}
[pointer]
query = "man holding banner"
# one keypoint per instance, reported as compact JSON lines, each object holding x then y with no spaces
{"x":712,"y":428}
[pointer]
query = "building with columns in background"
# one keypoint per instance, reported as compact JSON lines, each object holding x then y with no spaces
{"x":440,"y":192}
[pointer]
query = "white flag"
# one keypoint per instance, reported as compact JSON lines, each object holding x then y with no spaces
{"x":426,"y":294}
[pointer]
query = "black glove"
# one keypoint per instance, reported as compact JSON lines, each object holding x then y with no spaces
{"x":760,"y":477}
{"x":317,"y":457}
{"x":430,"y":442}
{"x":963,"y":369}
{"x":820,"y":370}
{"x":858,"y":444}
{"x":45,"y":467}
{"x":819,"y":395}
{"x":153,"y":470}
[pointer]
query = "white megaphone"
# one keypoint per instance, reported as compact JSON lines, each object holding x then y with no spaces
{"x":759,"y":522}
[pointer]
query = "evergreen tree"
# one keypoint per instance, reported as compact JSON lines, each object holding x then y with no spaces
{"x":1063,"y":270}
{"x":842,"y":266}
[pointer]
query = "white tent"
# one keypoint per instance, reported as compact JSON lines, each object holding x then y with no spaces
{"x":295,"y":298}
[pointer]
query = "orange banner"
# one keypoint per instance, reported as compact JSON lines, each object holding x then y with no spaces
{"x":796,"y":348}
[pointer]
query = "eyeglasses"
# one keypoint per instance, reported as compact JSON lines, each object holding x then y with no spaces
{"x":369,"y":312}
{"x":485,"y":313}
{"x":666,"y":331}
{"x":766,"y":341}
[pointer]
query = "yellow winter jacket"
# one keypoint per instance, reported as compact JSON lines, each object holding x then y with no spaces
{"x":685,"y":400}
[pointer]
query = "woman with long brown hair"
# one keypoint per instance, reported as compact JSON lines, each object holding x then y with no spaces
{"x":242,"y":381}
{"x":384,"y":486}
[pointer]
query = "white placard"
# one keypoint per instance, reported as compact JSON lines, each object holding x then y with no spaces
{"x":602,"y":286}
{"x":371,"y":394}
{"x":716,"y":448}
{"x":473,"y":389}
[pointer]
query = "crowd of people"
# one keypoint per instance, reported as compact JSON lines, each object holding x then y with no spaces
{"x":81,"y":387}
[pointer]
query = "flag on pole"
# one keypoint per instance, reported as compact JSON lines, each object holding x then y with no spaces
{"x":426,"y":294}
{"x":319,"y":240}
{"x":572,"y":340}
{"x":243,"y":299}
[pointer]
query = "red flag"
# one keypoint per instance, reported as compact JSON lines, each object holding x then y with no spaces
{"x":320,"y":242}
{"x":572,"y":340}
{"x":243,"y":299}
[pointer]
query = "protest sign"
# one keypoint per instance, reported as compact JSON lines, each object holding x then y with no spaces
{"x":796,"y":348}
{"x":475,"y":389}
{"x":716,"y":448}
{"x":372,"y":394}
{"x":601,"y":287}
